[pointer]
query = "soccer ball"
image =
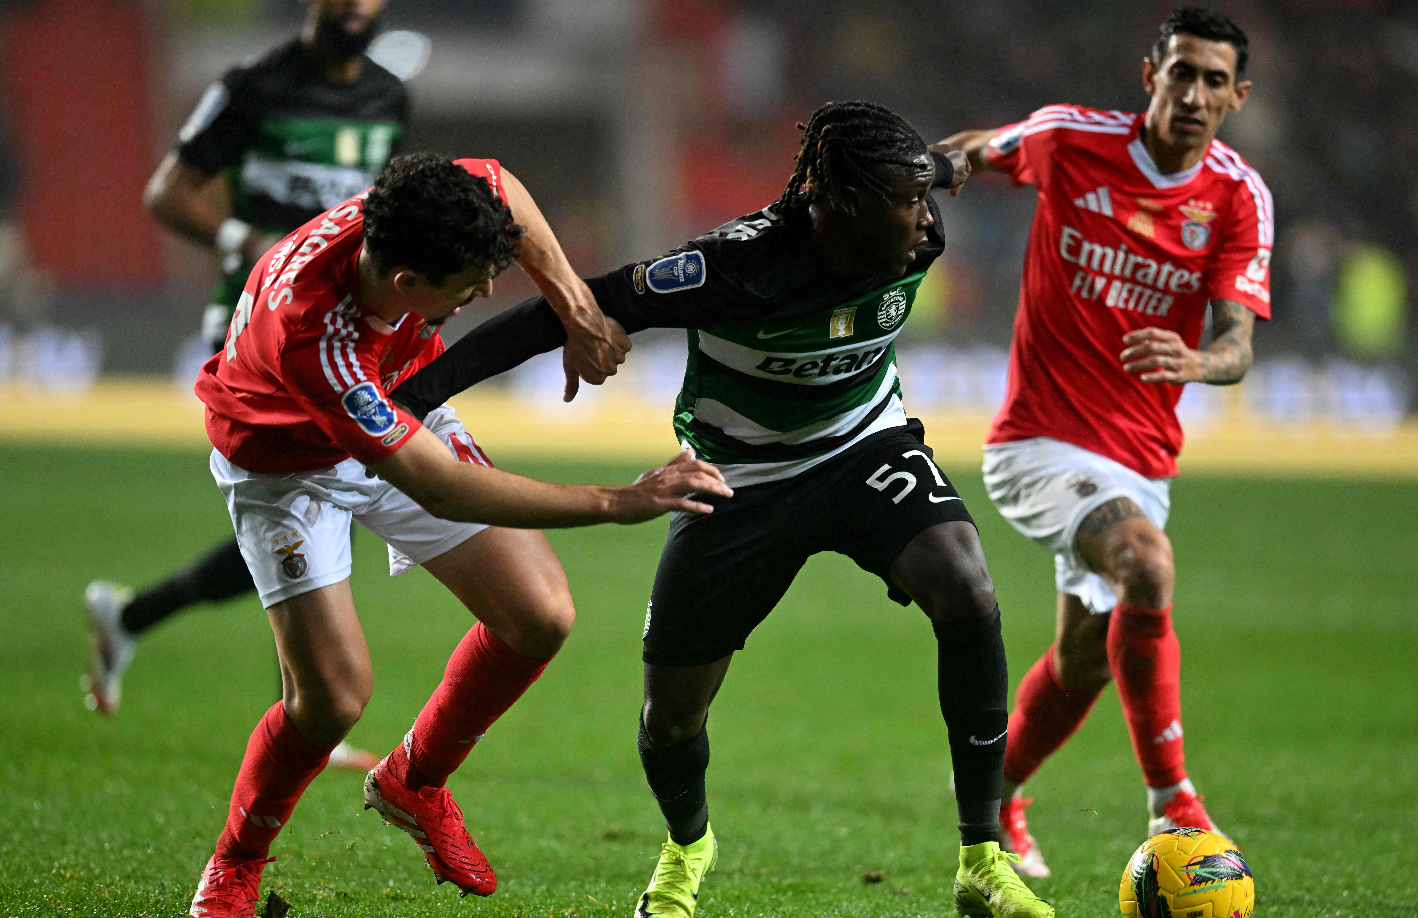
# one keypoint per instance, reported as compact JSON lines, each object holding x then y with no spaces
{"x":1187,"y":873}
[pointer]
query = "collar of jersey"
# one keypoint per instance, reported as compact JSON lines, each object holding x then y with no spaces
{"x":384,"y":328}
{"x":1143,"y":160}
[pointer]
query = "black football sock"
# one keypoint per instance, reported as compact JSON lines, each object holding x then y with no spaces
{"x":974,"y":698}
{"x":676,"y":776}
{"x":221,"y":574}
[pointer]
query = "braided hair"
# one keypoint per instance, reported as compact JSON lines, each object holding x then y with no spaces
{"x":842,"y":141}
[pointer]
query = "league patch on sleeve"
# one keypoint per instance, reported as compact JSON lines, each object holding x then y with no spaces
{"x":684,"y":271}
{"x":369,"y":408}
{"x":1006,"y":142}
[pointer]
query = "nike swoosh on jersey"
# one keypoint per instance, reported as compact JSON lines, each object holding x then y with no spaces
{"x":765,"y":337}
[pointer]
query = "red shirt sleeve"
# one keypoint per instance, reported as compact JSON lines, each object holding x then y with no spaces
{"x":1241,"y":269}
{"x":334,"y":376}
{"x":1025,"y":150}
{"x":489,"y":169}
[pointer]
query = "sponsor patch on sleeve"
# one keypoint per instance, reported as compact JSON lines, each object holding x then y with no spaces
{"x":369,"y":408}
{"x":674,"y":273}
{"x":393,"y":436}
{"x":1006,"y":142}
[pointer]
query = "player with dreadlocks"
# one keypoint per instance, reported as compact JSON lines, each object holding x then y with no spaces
{"x":791,"y":390}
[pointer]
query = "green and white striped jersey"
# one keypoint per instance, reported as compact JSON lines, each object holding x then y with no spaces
{"x":292,"y":143}
{"x":787,"y":365}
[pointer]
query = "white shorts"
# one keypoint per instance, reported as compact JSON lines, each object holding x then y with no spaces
{"x":1045,"y":488}
{"x":294,"y":530}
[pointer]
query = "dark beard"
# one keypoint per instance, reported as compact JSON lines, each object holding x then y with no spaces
{"x":332,"y":38}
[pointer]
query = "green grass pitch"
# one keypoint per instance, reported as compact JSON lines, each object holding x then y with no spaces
{"x":1296,"y":608}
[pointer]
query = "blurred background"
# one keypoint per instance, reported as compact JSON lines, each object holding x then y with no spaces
{"x":638,"y":124}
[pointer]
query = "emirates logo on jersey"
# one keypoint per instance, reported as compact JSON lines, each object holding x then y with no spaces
{"x":892,"y":309}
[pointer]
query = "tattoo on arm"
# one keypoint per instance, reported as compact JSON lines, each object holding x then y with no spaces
{"x":1107,"y":516}
{"x":1227,"y":358}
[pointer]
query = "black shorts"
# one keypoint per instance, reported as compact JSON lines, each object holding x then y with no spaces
{"x":721,"y":574}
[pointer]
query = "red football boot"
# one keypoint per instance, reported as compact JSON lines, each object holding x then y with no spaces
{"x":1015,"y":837}
{"x":1184,"y":811}
{"x":434,"y":821}
{"x":228,"y":889}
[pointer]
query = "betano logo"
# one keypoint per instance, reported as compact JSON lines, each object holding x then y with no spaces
{"x":821,"y":365}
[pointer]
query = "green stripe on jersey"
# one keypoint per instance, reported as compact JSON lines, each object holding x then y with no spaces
{"x":789,"y":389}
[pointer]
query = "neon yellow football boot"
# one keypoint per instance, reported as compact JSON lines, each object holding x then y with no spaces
{"x":986,"y":886}
{"x":674,"y":889}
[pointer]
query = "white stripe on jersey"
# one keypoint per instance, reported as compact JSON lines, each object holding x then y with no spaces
{"x":1112,"y":118}
{"x":742,"y":427}
{"x":1227,"y":161}
{"x":1035,"y":127}
{"x":336,"y":334}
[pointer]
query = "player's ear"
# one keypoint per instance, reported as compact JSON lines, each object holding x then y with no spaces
{"x":1149,"y":74}
{"x":406,"y":280}
{"x":1243,"y":89}
{"x":848,"y":200}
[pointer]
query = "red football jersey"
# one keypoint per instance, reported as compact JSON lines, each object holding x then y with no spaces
{"x":1117,"y":246}
{"x":304,"y":378}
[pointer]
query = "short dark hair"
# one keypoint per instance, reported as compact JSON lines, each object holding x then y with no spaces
{"x":1206,"y":24}
{"x":841,"y":142}
{"x":431,"y":215}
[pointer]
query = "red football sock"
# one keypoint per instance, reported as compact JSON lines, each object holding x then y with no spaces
{"x":279,"y":765}
{"x":484,"y":678}
{"x":1146,"y":661}
{"x":1045,"y":715}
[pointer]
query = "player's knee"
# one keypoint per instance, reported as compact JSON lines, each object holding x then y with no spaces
{"x":1143,"y":565}
{"x":959,"y":599}
{"x":327,"y":717}
{"x":671,"y":724}
{"x":541,"y":621}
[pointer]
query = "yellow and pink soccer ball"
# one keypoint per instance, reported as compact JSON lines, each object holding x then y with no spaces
{"x":1187,"y":873}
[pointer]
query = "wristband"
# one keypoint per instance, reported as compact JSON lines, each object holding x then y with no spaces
{"x":944,"y":170}
{"x":232,"y":235}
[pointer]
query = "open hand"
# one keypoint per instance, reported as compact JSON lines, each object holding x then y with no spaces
{"x":1158,"y":355}
{"x":664,"y":489}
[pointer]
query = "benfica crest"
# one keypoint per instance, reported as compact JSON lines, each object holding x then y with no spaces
{"x":293,"y":563}
{"x":1196,"y":229}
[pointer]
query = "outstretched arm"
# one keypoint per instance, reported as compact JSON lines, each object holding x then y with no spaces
{"x":1157,"y":355}
{"x":426,"y":471}
{"x":973,"y":144}
{"x":595,"y":346}
{"x":629,"y":301}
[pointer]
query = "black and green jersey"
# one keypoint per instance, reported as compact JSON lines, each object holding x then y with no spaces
{"x":787,"y":366}
{"x":292,"y":143}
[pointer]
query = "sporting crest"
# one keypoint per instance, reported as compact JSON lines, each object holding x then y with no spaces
{"x":892,"y":309}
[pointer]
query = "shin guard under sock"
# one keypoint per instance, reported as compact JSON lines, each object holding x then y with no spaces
{"x":974,"y":699}
{"x":676,"y":777}
{"x":220,"y":574}
{"x":1146,"y":661}
{"x":484,"y":678}
{"x":1045,"y":715}
{"x":279,"y":764}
